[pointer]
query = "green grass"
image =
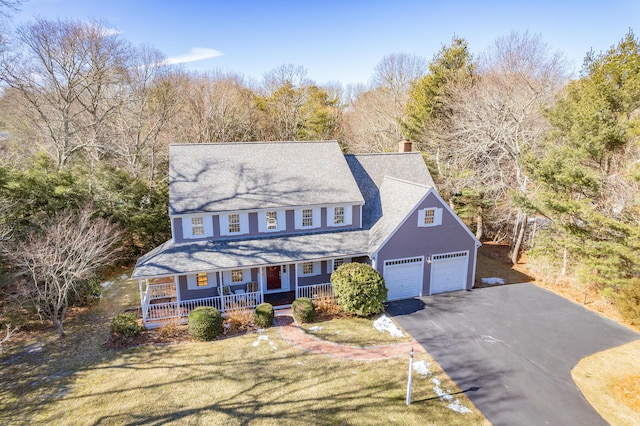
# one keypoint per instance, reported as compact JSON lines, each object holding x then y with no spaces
{"x":353,"y":331}
{"x":231,"y":381}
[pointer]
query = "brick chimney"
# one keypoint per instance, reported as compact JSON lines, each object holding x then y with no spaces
{"x":404,"y":146}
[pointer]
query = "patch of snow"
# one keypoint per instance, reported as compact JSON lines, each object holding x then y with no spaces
{"x":266,"y":339}
{"x":315,"y":328}
{"x":422,"y":368}
{"x":385,"y":324}
{"x":457,"y":406}
{"x":492,"y":280}
{"x":106,"y":284}
{"x":124,"y":277}
{"x":444,"y":396}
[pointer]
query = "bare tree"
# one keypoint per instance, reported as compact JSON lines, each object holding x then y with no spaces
{"x":150,"y":94}
{"x":218,"y":107}
{"x":498,"y":120}
{"x":373,"y":120}
{"x":53,"y":262}
{"x":64,"y":75}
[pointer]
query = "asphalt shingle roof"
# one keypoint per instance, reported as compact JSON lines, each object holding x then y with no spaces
{"x":370,"y":170}
{"x":171,"y":258}
{"x":255,"y":175}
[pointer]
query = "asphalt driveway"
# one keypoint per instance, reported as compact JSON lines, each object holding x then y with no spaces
{"x":511,"y":349}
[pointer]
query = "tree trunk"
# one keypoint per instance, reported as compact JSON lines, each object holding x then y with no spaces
{"x":479,"y":226}
{"x":515,"y":254}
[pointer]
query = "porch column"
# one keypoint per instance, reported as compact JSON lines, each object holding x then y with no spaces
{"x":176,"y":282}
{"x":295,"y":271}
{"x":141,"y":294}
{"x":261,"y":283}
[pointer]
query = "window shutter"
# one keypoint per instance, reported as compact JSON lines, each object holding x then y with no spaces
{"x":437,"y":220}
{"x":244,"y":223}
{"x":224,"y":224}
{"x":317,"y":218}
{"x":208,"y":226}
{"x":348,"y":213}
{"x":262,"y":221}
{"x":282,"y":220}
{"x":191,"y":280}
{"x":186,"y":228}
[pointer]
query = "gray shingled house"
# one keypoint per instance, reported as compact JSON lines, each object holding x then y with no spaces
{"x":270,"y":221}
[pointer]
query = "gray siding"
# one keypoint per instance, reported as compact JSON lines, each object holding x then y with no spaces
{"x":323,"y":277}
{"x":411,"y":240}
{"x":186,"y":294}
{"x":178,"y":236}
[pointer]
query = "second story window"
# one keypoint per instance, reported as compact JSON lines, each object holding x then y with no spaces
{"x":338,"y":216}
{"x":234,"y":223}
{"x":272,"y":221}
{"x":197,"y":226}
{"x":307,"y":217}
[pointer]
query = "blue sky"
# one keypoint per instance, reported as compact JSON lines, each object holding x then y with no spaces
{"x":341,"y":40}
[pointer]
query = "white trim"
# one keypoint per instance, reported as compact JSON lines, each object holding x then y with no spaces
{"x":317,"y":269}
{"x":226,"y":276}
{"x":224,"y":224}
{"x":445,"y":206}
{"x":315,"y":217}
{"x":437,"y":217}
{"x":193,"y":285}
{"x":281,"y":221}
{"x":187,"y":227}
{"x":348,"y":213}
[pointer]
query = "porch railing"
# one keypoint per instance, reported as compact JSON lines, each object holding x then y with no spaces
{"x":314,"y":291}
{"x":159,"y":291}
{"x":161,"y":311}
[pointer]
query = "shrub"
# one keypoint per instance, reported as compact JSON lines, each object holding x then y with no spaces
{"x":628,"y":301}
{"x":359,"y":289}
{"x":239,"y":316}
{"x":125,"y":326}
{"x":205,"y":323}
{"x":303,"y":310}
{"x":325,"y":303}
{"x":264,"y":315}
{"x":170,"y":329}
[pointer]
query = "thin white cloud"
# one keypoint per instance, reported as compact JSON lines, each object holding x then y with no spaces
{"x":196,"y":54}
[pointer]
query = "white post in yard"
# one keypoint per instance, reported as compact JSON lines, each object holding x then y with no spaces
{"x":410,"y":380}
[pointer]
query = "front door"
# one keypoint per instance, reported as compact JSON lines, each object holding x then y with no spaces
{"x":274,"y":280}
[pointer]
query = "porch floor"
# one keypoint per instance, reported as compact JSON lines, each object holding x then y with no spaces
{"x":279,"y":299}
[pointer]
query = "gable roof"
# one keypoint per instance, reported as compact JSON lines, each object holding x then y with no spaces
{"x":398,"y":199}
{"x":370,"y":170}
{"x":258,"y":175}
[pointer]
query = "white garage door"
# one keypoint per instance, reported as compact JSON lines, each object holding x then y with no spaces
{"x":403,"y":277}
{"x":449,"y":272}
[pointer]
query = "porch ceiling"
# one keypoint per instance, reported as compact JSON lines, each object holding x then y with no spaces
{"x":170,"y":258}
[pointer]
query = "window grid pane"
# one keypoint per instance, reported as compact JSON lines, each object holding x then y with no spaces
{"x":337,"y":263}
{"x":234,"y":223}
{"x":307,"y":217}
{"x":197,"y":226}
{"x":338,"y":215}
{"x":236,"y":276}
{"x":202,"y":280}
{"x":272,"y":220}
{"x":307,"y":268}
{"x":429,"y":216}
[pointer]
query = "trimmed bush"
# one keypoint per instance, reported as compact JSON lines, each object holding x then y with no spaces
{"x":303,"y":310}
{"x":205,"y":323}
{"x":359,"y":289}
{"x":125,"y":326}
{"x":264,"y":315}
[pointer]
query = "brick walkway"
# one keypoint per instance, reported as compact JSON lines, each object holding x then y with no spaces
{"x":290,"y":331}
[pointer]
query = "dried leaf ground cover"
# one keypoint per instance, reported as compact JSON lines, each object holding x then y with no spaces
{"x":253,"y":378}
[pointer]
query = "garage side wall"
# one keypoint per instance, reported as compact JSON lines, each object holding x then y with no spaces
{"x":410,"y":240}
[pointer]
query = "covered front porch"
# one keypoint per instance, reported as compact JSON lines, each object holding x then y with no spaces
{"x":162,"y":301}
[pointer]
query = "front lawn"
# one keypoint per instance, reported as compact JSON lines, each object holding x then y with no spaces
{"x":252,"y":378}
{"x":353,"y":331}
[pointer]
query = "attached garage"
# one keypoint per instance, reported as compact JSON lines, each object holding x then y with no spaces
{"x":449,"y":272}
{"x":403,"y":277}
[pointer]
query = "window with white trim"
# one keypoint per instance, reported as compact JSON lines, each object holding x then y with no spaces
{"x":337,"y":263}
{"x":307,"y":218}
{"x":234,"y":223}
{"x":430,"y":217}
{"x":307,"y":268}
{"x":202,"y":280}
{"x":272,"y":221}
{"x":236,"y":276}
{"x":338,"y":216}
{"x":197,"y":226}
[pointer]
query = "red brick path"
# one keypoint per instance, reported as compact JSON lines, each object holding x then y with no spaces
{"x":291,"y":332}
